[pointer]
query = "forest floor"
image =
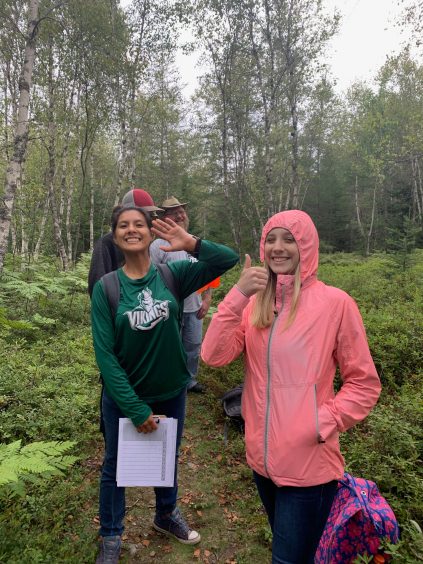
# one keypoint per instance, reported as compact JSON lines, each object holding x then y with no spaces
{"x":49,"y":390}
{"x":216,"y":495}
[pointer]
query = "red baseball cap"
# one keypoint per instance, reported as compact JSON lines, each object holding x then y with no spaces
{"x":140,"y":198}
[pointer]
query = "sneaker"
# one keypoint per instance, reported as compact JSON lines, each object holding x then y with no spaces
{"x":197,"y":388}
{"x":174,"y":525}
{"x":109,"y":550}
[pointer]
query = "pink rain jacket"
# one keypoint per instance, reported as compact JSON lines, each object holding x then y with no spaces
{"x":292,"y":415}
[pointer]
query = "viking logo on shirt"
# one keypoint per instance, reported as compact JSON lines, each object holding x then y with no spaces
{"x":148,"y":313}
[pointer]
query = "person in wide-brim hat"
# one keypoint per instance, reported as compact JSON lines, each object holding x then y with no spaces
{"x":172,"y":202}
{"x":196,"y":305}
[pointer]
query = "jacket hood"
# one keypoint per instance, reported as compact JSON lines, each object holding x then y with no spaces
{"x":305,"y":234}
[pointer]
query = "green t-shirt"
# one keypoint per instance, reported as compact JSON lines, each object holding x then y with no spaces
{"x":140,"y":353}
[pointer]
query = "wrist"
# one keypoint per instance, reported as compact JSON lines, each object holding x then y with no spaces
{"x":242,"y":291}
{"x":189,"y":243}
{"x":196,"y":244}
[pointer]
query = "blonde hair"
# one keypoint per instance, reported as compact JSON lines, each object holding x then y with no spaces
{"x":263,"y":312}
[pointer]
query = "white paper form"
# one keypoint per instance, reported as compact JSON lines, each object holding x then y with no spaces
{"x":146,"y":459}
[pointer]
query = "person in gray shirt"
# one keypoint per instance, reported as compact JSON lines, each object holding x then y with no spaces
{"x":196,"y":306}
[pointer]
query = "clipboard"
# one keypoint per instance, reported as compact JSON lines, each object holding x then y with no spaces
{"x":146,"y":459}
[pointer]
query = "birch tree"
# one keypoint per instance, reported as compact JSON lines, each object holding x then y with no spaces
{"x":14,"y":168}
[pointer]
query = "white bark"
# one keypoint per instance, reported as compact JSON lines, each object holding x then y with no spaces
{"x":37,"y":247}
{"x":14,"y":168}
{"x":51,"y":174}
{"x":24,"y":246}
{"x":91,"y":204}
{"x":357,"y":208}
{"x":370,"y":231}
{"x":71,"y":188}
{"x":417,"y":192}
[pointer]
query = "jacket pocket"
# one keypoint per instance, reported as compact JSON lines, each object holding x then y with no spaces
{"x":293,"y":442}
{"x":327,"y":423}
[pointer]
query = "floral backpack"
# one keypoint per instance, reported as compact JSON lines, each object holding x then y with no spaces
{"x":359,"y":519}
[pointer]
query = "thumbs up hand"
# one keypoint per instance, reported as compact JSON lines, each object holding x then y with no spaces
{"x":253,"y":279}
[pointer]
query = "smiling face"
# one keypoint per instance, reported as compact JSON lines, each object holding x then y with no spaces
{"x":179,"y":216}
{"x":132,"y":233}
{"x":281,"y":252}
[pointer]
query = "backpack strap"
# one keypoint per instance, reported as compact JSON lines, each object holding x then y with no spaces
{"x":169,"y":280}
{"x":172,"y":285}
{"x":111,"y":287}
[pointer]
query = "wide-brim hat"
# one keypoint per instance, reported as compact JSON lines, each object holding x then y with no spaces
{"x":141,"y":199}
{"x":172,"y":202}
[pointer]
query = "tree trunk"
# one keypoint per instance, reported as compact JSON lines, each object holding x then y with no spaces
{"x":357,"y":208}
{"x":91,"y":203}
{"x":71,"y":186}
{"x":24,"y":246}
{"x":51,"y":173}
{"x":13,"y":237}
{"x":294,"y":162}
{"x":370,"y":231}
{"x":55,"y":212}
{"x":224,"y":153}
{"x":65,"y":154}
{"x":37,"y":247}
{"x":6,"y":73}
{"x":122,"y":156}
{"x":15,"y":165}
{"x":417,"y":192}
{"x":268,"y":106}
{"x":84,"y":160}
{"x":71,"y":189}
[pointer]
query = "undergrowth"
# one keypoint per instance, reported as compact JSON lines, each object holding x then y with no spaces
{"x":49,"y":391}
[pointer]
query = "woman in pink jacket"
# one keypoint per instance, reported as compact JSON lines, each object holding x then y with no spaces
{"x":294,"y":331}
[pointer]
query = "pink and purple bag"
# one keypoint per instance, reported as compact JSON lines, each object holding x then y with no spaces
{"x":359,"y":519}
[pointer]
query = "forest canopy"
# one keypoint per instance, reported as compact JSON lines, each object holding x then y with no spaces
{"x":91,"y":104}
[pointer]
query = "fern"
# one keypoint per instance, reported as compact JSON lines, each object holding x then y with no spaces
{"x":43,"y":321}
{"x":42,"y":458}
{"x":27,"y":290}
{"x":13,"y":324}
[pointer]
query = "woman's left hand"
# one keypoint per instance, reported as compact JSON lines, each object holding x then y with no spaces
{"x":205,"y":304}
{"x":178,"y":238}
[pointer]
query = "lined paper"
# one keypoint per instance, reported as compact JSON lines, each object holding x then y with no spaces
{"x":146,"y":459}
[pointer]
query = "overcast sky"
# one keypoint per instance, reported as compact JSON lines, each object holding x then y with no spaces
{"x":367,"y":35}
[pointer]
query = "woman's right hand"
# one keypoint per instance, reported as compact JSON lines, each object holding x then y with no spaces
{"x":149,"y":425}
{"x":174,"y":234}
{"x":253,"y":279}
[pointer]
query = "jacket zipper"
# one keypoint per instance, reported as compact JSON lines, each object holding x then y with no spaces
{"x":266,"y":425}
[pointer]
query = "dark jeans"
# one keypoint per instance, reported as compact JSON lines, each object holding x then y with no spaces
{"x":297,"y":517}
{"x":112,"y":498}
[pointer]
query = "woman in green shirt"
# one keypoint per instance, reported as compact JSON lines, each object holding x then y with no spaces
{"x":141,"y":357}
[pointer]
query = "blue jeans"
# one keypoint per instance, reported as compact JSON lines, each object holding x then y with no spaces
{"x":192,"y":334}
{"x":297,"y":517}
{"x":112,"y":498}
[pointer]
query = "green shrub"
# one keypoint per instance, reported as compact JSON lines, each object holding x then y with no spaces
{"x":388,"y":448}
